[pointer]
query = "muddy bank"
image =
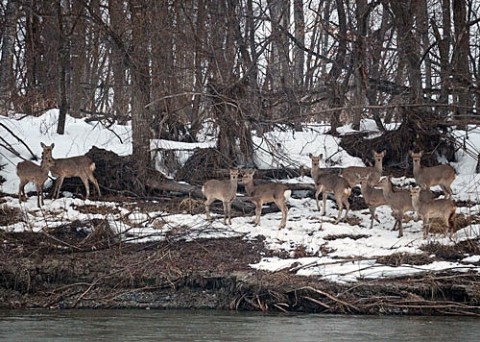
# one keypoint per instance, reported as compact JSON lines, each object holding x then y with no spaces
{"x":43,"y":271}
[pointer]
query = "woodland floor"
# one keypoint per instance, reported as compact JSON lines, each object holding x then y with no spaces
{"x":62,"y":268}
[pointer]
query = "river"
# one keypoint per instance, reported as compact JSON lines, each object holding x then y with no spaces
{"x":153,"y":325}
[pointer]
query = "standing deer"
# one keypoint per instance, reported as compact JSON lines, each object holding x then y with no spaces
{"x":266,"y":193}
{"x":28,"y":171}
{"x":373,"y":197}
{"x":398,"y":200}
{"x":353,"y":173}
{"x":426,"y":177}
{"x":329,"y":182}
{"x":434,"y":208}
{"x":80,"y":166}
{"x":224,"y":191}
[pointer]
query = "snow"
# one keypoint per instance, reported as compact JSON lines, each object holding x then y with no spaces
{"x":336,"y":252}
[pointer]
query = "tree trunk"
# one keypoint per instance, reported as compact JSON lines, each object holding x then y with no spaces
{"x":359,"y":62}
{"x":139,"y":68}
{"x":78,"y":60}
{"x":7,"y":84}
{"x":409,"y":47}
{"x":444,"y":42}
{"x":62,"y":70}
{"x":462,"y":81}
{"x":335,"y":91}
{"x":120,"y":102}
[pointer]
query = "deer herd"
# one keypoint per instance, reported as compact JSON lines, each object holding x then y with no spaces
{"x":377,"y":190}
{"x":80,"y":166}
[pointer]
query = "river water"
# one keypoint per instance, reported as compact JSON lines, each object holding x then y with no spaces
{"x":152,"y":325}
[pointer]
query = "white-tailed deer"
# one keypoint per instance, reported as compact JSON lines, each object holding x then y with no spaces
{"x":266,"y":193}
{"x":434,"y":208}
{"x":353,"y":173}
{"x":398,"y":200}
{"x":373,"y":197}
{"x":28,"y":171}
{"x":425,"y":177}
{"x":80,"y":166}
{"x":224,"y":191}
{"x":326,"y":183}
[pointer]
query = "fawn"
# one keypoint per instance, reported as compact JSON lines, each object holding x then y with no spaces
{"x":434,"y":208}
{"x":79,"y":166}
{"x":398,"y":200}
{"x":28,"y":171}
{"x":266,"y":193}
{"x":425,"y":177}
{"x":329,"y":182}
{"x":353,"y":173}
{"x":224,"y":191}
{"x":373,"y":197}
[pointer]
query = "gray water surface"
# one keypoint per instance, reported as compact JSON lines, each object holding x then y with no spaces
{"x":152,"y":325}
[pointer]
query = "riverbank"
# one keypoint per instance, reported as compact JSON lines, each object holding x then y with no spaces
{"x":41,"y":270}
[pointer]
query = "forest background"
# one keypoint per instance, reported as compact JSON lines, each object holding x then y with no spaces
{"x":243,"y":65}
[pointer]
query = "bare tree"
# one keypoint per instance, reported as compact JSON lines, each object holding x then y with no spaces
{"x":461,"y":82}
{"x":7,"y":84}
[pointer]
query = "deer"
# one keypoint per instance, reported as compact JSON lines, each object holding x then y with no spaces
{"x":266,"y":193}
{"x":425,"y":177}
{"x":225,"y":191}
{"x":443,"y":208}
{"x":79,"y":166}
{"x":327,"y":183}
{"x":373,"y":197}
{"x":398,"y":200}
{"x":28,"y":172}
{"x":353,"y":173}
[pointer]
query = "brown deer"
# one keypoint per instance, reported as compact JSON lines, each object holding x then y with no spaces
{"x":353,"y":173}
{"x":373,"y":197}
{"x":434,"y":208}
{"x":266,"y":193}
{"x":398,"y":200}
{"x":28,"y":171}
{"x":326,"y":183}
{"x":224,"y":191}
{"x":425,"y":177}
{"x":79,"y":166}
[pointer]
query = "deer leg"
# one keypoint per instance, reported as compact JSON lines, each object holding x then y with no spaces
{"x":87,"y":186}
{"x":207,"y":207}
{"x":229,"y":211}
{"x":92,"y":179}
{"x":58,"y":186}
{"x":282,"y":204}
{"x":340,"y":208}
{"x":21,"y":190}
{"x":426,"y":224}
{"x":317,"y":192}
{"x":258,"y":212}
{"x":400,"y":228}
{"x":425,"y":231}
{"x":39,"y":194}
{"x":446,"y":190}
{"x":346,"y":203}
{"x":324,"y":200}
{"x":226,"y":212}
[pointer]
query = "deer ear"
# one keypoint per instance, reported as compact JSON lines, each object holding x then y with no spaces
{"x":42,"y":144}
{"x":310,"y":155}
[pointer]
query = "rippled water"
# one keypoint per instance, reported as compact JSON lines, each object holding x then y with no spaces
{"x":137,"y":325}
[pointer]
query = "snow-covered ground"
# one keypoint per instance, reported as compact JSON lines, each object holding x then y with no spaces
{"x":345,"y":252}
